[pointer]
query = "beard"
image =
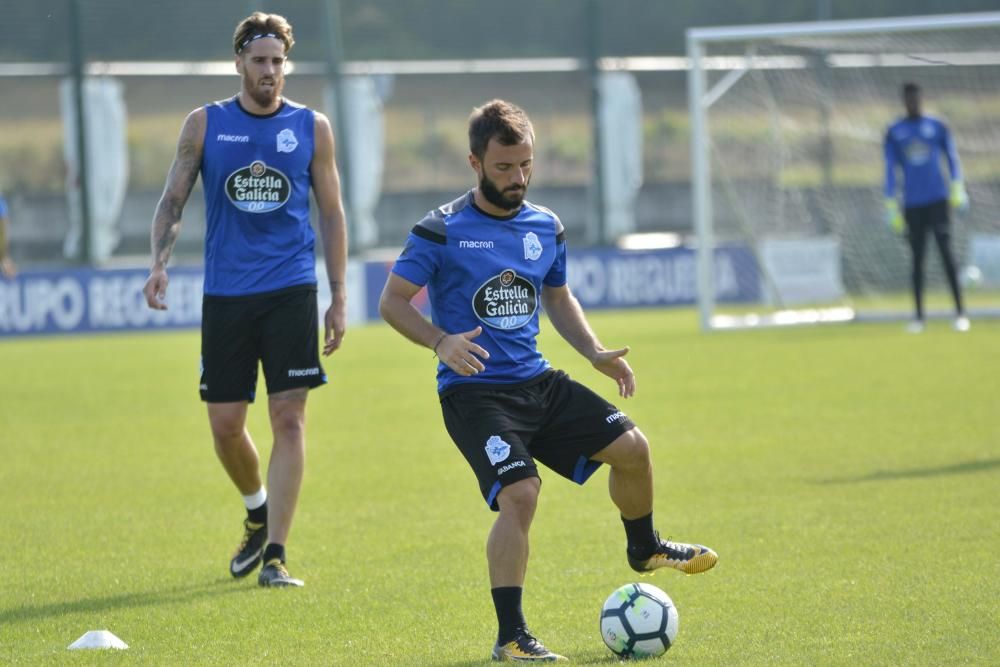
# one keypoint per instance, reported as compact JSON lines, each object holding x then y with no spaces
{"x":508,"y":199}
{"x":265,"y":97}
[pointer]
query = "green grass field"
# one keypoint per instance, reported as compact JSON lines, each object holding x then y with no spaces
{"x":848,"y":476}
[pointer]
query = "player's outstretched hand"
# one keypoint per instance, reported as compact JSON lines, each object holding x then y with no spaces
{"x":612,"y":363}
{"x":461,"y":354}
{"x":155,"y":289}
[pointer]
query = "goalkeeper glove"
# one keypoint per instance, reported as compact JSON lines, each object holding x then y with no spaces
{"x":893,"y":217}
{"x":959,"y":197}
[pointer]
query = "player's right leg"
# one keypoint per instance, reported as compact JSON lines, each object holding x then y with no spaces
{"x":239,"y":458}
{"x":227,"y":385}
{"x":487,"y":426}
{"x":916,"y":234}
{"x":507,"y":555}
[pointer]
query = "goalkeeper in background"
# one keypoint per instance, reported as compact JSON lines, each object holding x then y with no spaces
{"x":915,"y":144}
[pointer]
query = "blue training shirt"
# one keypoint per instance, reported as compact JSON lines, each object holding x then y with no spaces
{"x":916,"y":146}
{"x":486,"y":271}
{"x":255,"y":172}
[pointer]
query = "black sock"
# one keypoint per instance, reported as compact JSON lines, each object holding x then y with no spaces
{"x":507,"y":601}
{"x":259,"y":514}
{"x":272,"y":551}
{"x":640,"y":536}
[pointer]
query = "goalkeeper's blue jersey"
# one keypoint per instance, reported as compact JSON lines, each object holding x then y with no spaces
{"x":256,"y":174}
{"x":916,"y":145}
{"x":486,"y":271}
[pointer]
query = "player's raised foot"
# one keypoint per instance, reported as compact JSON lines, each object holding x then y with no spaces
{"x":688,"y":558}
{"x":961,"y":324}
{"x":274,"y":574}
{"x":251,"y":548}
{"x":524,"y":648}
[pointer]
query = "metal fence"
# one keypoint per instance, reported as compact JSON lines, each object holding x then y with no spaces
{"x":172,"y":58}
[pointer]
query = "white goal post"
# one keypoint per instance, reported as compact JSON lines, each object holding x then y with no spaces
{"x":787,"y":123}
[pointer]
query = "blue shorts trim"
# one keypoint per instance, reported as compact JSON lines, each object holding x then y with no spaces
{"x":492,"y":496}
{"x":584,"y":469}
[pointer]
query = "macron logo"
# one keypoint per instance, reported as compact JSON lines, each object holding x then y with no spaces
{"x":233,"y":138}
{"x":615,"y":417}
{"x":302,"y":372}
{"x":475,"y":244}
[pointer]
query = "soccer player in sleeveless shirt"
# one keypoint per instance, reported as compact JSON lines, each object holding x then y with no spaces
{"x":258,"y":154}
{"x":489,"y":259}
{"x":915,"y":144}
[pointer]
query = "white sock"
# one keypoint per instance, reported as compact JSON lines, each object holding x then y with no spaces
{"x":255,"y":500}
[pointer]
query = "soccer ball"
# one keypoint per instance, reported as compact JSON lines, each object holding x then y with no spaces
{"x":972,"y":276}
{"x":639,"y":621}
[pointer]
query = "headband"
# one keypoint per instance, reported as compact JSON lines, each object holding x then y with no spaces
{"x":252,"y":38}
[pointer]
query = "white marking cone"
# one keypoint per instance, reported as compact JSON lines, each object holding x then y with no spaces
{"x":98,"y":639}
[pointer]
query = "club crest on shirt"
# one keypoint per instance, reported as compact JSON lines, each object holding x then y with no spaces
{"x":917,"y":152}
{"x":497,"y":449}
{"x":505,"y":301}
{"x":532,"y":246}
{"x":287,"y":141}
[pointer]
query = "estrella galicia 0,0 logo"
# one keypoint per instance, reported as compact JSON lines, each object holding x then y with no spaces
{"x":257,"y":188}
{"x":506,"y":301}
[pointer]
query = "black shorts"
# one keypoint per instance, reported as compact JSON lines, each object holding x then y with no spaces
{"x":503,"y":430}
{"x":279,"y":329}
{"x":930,"y":217}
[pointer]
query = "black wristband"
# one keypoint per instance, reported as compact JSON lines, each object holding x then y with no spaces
{"x":438,"y":342}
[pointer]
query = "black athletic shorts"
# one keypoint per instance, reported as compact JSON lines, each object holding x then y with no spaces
{"x":278,"y":329}
{"x":502,"y":430}
{"x":930,"y":217}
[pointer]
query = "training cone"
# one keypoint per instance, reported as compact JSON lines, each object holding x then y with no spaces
{"x":98,"y":639}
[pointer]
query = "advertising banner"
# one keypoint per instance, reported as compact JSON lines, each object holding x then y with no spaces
{"x":83,"y":300}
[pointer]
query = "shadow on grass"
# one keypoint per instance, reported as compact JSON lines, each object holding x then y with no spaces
{"x":123,"y":601}
{"x":915,"y":473}
{"x":589,"y":658}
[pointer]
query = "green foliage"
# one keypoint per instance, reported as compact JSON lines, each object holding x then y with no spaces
{"x":846,"y":475}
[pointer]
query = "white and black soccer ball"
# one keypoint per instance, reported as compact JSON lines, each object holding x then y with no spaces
{"x":639,"y":621}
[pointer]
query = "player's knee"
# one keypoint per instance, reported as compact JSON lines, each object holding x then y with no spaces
{"x":288,"y":423}
{"x":631,"y":451}
{"x":227,"y":428}
{"x":287,"y":417}
{"x":521,"y":497}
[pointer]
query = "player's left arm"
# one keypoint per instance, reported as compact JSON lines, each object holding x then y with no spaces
{"x":951,"y":154}
{"x":569,"y":320}
{"x":333,"y":230}
{"x":957,"y":195}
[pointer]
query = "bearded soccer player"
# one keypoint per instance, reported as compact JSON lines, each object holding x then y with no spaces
{"x":489,"y":259}
{"x":915,"y":144}
{"x":258,"y":154}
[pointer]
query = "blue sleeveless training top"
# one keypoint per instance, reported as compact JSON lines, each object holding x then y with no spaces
{"x":255,"y":172}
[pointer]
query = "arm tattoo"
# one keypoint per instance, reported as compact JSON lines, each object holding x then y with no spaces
{"x":180,"y":181}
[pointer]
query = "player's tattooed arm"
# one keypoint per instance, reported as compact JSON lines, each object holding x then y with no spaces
{"x":180,"y":181}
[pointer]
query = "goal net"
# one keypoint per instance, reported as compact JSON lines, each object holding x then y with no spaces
{"x":787,"y":126}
